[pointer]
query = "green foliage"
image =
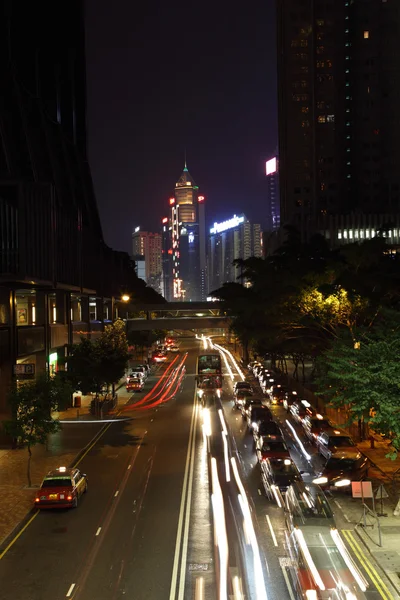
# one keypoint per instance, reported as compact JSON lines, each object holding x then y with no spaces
{"x":365,"y":380}
{"x":95,"y":365}
{"x":32,"y":404}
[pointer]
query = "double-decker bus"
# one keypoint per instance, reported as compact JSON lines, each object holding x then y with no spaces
{"x":209,"y":370}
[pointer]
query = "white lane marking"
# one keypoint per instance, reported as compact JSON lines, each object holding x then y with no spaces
{"x":271,"y":530}
{"x":185,"y":542}
{"x":259,"y":492}
{"x":289,"y":587}
{"x":182,"y":507}
{"x":71,"y":589}
{"x":337,"y":504}
{"x":129,"y":466}
{"x":346,"y":517}
{"x":98,"y":531}
{"x":245,"y":445}
{"x":116,"y":493}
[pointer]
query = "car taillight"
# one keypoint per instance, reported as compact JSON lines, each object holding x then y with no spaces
{"x":69,"y":497}
{"x":37,"y":499}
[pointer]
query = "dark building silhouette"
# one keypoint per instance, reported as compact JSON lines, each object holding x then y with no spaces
{"x":339,"y":84}
{"x":57,"y":276}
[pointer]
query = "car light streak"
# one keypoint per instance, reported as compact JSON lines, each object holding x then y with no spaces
{"x":245,"y":527}
{"x":231,"y":375}
{"x":307,"y":500}
{"x":237,"y":592}
{"x":306,"y":553}
{"x":320,"y":480}
{"x":226,"y":456}
{"x":311,"y":594}
{"x":225,"y":351}
{"x":275,"y":491}
{"x":304,"y":451}
{"x":342,"y":483}
{"x":205,"y":344}
{"x":203,"y":468}
{"x":348,"y":560}
{"x":199,"y":590}
{"x":221,"y":418}
{"x":221,"y":537}
{"x":151,"y":394}
{"x":261,"y":593}
{"x":207,"y":422}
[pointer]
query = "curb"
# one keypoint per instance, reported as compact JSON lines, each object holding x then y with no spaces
{"x":376,"y":562}
{"x":24,"y":521}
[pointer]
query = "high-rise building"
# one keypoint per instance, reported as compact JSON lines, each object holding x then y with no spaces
{"x":184,"y":247}
{"x":228,"y":241}
{"x":273,"y":207}
{"x":339,"y":85}
{"x":149,"y":246}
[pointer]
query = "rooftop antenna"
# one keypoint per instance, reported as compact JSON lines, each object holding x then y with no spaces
{"x":185,"y":159}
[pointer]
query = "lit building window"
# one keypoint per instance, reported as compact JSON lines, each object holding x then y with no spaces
{"x":321,"y":119}
{"x":339,"y":235}
{"x":366,"y":35}
{"x":330,"y":118}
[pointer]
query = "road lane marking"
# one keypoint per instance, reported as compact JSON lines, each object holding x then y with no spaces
{"x":337,"y":504}
{"x":71,"y":589}
{"x":116,"y":493}
{"x":129,"y":466}
{"x":346,"y":517}
{"x":172,"y":593}
{"x":6,"y":549}
{"x":271,"y":530}
{"x":188,"y":509}
{"x":374,"y":576}
{"x":259,"y":492}
{"x":98,"y":531}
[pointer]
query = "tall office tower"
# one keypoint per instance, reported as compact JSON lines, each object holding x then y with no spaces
{"x":149,"y":246}
{"x":339,"y":84}
{"x":187,"y":242}
{"x":228,"y":241}
{"x":273,"y":208}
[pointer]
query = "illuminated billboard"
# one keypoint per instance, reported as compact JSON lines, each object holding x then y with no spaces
{"x":271,"y":166}
{"x":230,"y":224}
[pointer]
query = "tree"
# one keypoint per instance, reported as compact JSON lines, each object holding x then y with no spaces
{"x":364,"y":379}
{"x":83,"y":368}
{"x":111,"y":350}
{"x":32,"y":404}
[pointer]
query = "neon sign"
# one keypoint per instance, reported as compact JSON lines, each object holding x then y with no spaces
{"x":271,"y":166}
{"x":191,"y":238}
{"x":234,"y":222}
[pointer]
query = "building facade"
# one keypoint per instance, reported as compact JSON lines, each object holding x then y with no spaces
{"x":339,"y":84}
{"x":149,"y":246}
{"x":273,"y":219}
{"x":230,"y":240}
{"x":183,"y":243}
{"x":58,"y":279}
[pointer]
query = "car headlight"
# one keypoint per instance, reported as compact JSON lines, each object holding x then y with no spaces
{"x":320,"y":480}
{"x":342,"y":483}
{"x":254,"y":426}
{"x":200,"y":393}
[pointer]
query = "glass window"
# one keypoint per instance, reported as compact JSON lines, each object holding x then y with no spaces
{"x":25,"y":301}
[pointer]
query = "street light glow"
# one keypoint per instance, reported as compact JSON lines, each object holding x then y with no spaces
{"x":125,"y":298}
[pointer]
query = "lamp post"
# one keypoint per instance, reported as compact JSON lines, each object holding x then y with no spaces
{"x":124,"y":298}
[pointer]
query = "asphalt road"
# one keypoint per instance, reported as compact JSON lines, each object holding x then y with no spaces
{"x":121,"y":540}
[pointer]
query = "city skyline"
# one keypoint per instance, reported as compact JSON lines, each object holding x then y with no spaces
{"x":139,"y":125}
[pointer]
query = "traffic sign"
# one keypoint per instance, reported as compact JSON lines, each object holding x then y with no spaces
{"x":361,"y":489}
{"x":381,"y":493}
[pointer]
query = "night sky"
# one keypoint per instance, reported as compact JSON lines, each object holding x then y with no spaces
{"x":163,"y":76}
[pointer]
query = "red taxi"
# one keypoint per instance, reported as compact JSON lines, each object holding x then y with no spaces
{"x":135,"y":385}
{"x":61,"y":488}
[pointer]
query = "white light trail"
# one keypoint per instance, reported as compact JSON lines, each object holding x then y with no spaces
{"x":306,"y":553}
{"x":199,"y":590}
{"x":271,"y":530}
{"x":221,"y":418}
{"x":225,"y":351}
{"x":220,"y":531}
{"x":237,"y":592}
{"x":304,"y":451}
{"x":207,"y":422}
{"x":226,"y":457}
{"x":203,"y":467}
{"x":348,"y":560}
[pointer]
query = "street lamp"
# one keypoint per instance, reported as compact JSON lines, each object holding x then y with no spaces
{"x":123,"y":298}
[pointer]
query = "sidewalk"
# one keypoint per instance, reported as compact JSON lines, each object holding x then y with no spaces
{"x":16,"y":498}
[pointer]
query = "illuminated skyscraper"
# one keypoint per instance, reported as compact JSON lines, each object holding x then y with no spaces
{"x":184,"y":247}
{"x":148,"y":245}
{"x":273,"y":208}
{"x":228,"y":241}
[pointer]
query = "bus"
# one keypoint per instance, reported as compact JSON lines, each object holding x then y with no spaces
{"x":209,"y":370}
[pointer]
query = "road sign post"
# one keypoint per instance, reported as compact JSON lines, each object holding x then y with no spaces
{"x":380,"y":494}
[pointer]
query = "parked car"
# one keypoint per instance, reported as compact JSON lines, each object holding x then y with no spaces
{"x":336,"y":442}
{"x":278,"y":473}
{"x":256,"y":413}
{"x":301,"y":408}
{"x":250,"y":401}
{"x":313,"y":425}
{"x":271,"y":446}
{"x":243,"y":386}
{"x":266,"y":427}
{"x":277,"y":394}
{"x":135,"y":385}
{"x":338,"y":472}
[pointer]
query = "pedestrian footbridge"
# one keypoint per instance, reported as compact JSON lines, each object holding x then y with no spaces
{"x":178,"y":315}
